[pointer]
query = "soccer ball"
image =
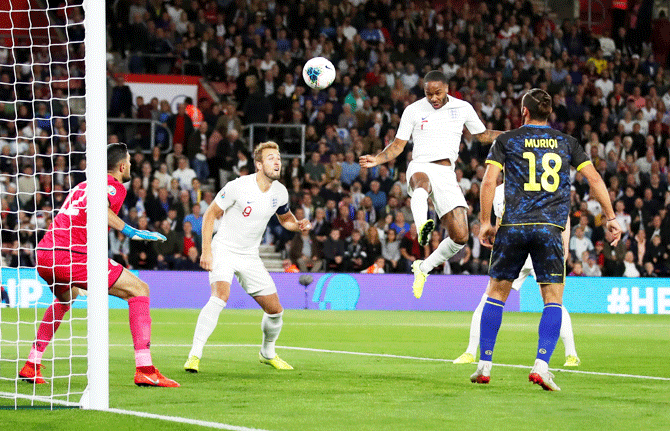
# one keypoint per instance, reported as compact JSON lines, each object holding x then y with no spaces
{"x":318,"y":73}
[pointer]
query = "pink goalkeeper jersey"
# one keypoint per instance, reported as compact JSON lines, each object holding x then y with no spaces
{"x":68,"y":230}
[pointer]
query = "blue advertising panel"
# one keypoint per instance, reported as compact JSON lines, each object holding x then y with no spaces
{"x":26,"y":288}
{"x":613,"y":295}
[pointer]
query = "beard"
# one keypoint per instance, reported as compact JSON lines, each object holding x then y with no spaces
{"x":271,"y":174}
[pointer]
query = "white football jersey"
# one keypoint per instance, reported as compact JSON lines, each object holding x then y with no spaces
{"x":499,"y":201}
{"x":247,"y":211}
{"x":436,"y":133}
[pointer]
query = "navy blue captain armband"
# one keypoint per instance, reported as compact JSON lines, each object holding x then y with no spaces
{"x":283,"y":209}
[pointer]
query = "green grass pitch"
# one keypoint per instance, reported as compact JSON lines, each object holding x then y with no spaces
{"x":333,"y":390}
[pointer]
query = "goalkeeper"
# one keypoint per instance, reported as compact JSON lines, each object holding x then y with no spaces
{"x":61,"y":261}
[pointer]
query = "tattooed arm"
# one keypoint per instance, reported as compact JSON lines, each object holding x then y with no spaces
{"x":392,"y":151}
{"x":488,"y":136}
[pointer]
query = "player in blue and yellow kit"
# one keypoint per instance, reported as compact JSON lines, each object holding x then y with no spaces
{"x":536,"y":160}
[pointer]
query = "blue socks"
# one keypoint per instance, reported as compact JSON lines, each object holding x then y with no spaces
{"x":489,"y":326}
{"x":549,"y":330}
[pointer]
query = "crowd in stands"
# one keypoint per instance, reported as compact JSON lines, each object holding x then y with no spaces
{"x":611,"y":92}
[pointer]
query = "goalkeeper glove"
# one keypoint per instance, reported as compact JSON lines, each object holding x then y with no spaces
{"x":141,"y":235}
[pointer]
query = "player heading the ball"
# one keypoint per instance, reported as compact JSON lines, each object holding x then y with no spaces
{"x":435,"y":124}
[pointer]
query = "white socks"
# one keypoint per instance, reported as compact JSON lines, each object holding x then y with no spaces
{"x":473,"y":344}
{"x":271,"y":326}
{"x":207,"y":320}
{"x":419,"y":205}
{"x":442,"y":253}
{"x":567,"y":336}
{"x":540,"y":366}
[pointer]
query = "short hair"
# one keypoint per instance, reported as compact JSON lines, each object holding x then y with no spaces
{"x":538,"y":103}
{"x":188,"y":101}
{"x":258,"y":152}
{"x":435,"y":76}
{"x":116,"y":153}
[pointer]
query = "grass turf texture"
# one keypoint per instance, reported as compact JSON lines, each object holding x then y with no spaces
{"x":339,"y":391}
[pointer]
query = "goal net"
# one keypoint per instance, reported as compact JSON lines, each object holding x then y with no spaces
{"x":43,"y":154}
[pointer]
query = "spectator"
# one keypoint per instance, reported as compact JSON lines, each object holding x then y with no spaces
{"x":320,"y":227}
{"x":400,"y":225}
{"x":350,"y":169}
{"x":355,"y":253}
{"x":192,"y":261}
{"x":193,"y":112}
{"x":119,"y":247}
{"x":142,"y":254}
{"x":577,"y":270}
{"x":121,"y":101}
{"x":579,"y":243}
{"x":181,"y":125}
{"x":315,"y":171}
{"x":377,"y":267}
{"x":361,"y":224}
{"x":630,"y":269}
{"x":377,"y":195}
{"x":333,"y":251}
{"x":591,"y":268}
{"x":195,"y":219}
{"x":410,"y":249}
{"x":188,"y":239}
{"x":196,"y":151}
{"x":305,"y":251}
{"x":184,"y":174}
{"x":289,"y":267}
{"x":614,"y":257}
{"x":169,"y":252}
{"x":391,"y":250}
{"x":343,"y":222}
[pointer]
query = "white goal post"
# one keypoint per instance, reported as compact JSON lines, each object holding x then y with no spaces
{"x":97,"y":396}
{"x":42,"y":56}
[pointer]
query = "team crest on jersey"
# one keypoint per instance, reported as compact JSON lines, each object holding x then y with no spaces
{"x":454,"y":114}
{"x":274,"y":202}
{"x":111,"y":190}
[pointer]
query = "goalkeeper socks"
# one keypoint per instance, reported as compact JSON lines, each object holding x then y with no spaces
{"x":490,"y":324}
{"x":549,"y":330}
{"x":140,"y":329}
{"x":271,"y":326}
{"x":566,"y":333}
{"x":50,"y":323}
{"x":442,"y":253}
{"x":207,"y":320}
{"x":419,"y":206}
{"x":474,"y":327}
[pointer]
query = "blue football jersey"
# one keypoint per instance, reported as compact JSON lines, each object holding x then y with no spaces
{"x":536,"y":161}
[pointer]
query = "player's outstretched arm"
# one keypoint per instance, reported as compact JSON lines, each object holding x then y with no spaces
{"x":140,"y":235}
{"x":486,"y":193}
{"x":599,"y":192}
{"x":213,"y":212}
{"x":488,"y":136}
{"x":289,"y":222}
{"x":391,"y":152}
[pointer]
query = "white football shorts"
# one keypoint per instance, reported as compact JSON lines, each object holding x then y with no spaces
{"x":445,"y":191}
{"x":523,"y":274}
{"x":249,"y":270}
